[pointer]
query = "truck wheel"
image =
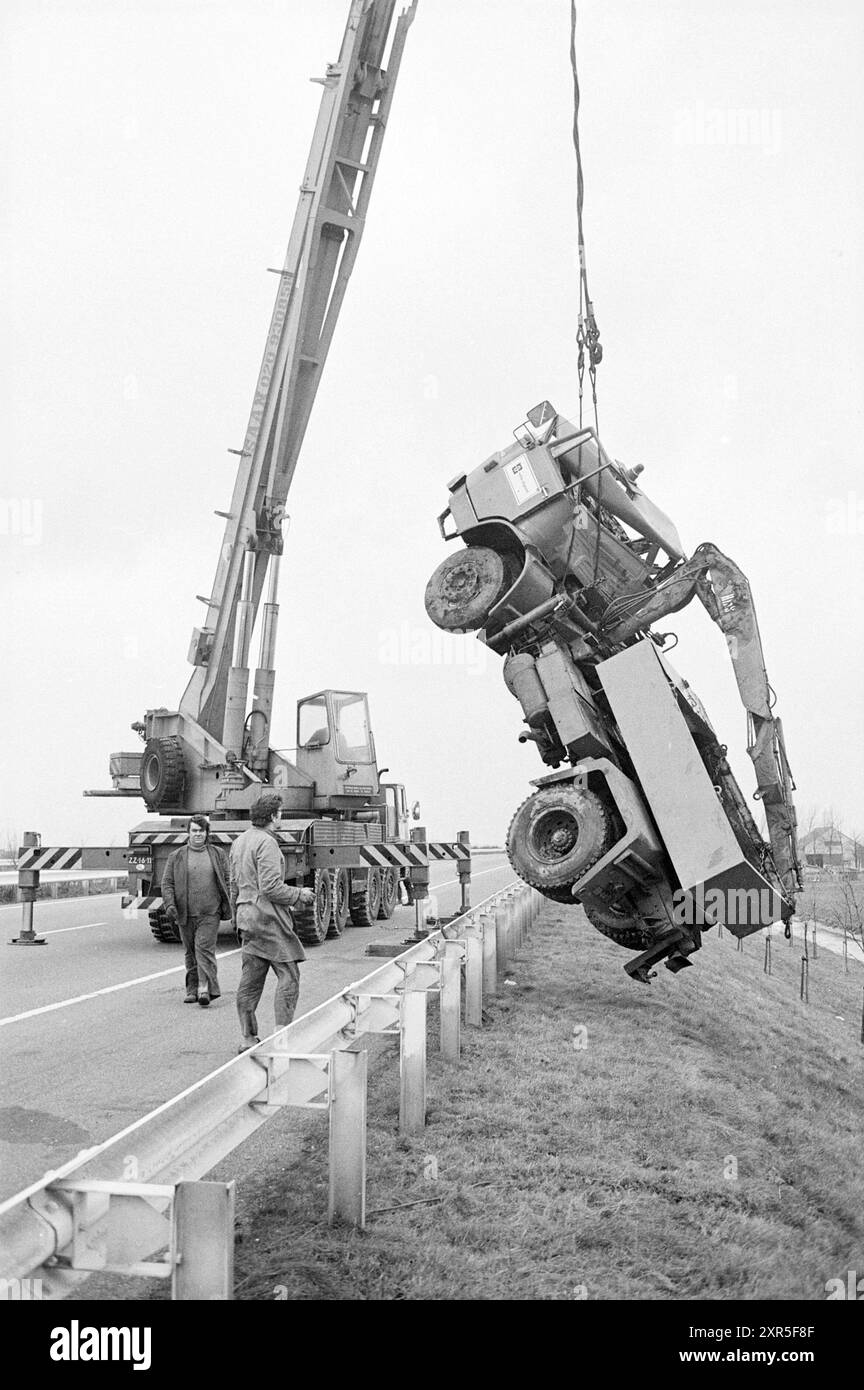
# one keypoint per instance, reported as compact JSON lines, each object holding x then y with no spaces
{"x":389,"y":894}
{"x":312,"y":920}
{"x":163,"y":930}
{"x":340,"y":892}
{"x":464,"y":588}
{"x":625,"y":928}
{"x":366,"y":902}
{"x":560,"y":895}
{"x":557,"y":834}
{"x":163,"y":772}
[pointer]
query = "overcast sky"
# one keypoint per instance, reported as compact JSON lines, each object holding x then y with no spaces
{"x":151,"y":157}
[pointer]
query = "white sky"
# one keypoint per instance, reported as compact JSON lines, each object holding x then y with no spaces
{"x":152,"y":154}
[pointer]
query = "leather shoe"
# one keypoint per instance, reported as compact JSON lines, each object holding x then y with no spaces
{"x":191,"y":999}
{"x":204,"y":999}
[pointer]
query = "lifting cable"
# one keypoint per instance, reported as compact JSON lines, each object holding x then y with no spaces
{"x":588,"y":334}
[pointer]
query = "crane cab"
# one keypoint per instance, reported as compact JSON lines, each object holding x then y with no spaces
{"x":335,"y":746}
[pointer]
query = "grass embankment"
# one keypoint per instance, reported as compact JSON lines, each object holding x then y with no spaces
{"x":705,"y":1143}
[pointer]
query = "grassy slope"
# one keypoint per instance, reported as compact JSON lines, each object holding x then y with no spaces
{"x":602,"y":1168}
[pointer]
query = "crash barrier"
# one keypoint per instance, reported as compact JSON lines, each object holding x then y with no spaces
{"x":114,"y":1205}
{"x":69,"y":888}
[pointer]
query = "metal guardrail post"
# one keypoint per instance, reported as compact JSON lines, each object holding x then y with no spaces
{"x":503,"y":942}
{"x":412,"y":1062}
{"x":518,"y":918}
{"x":28,"y":891}
{"x":490,"y":954}
{"x":473,"y":977}
{"x":347,"y":1197}
{"x":452,"y":955}
{"x":203,"y":1241}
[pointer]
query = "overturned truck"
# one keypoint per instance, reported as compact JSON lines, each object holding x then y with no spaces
{"x":567,"y":566}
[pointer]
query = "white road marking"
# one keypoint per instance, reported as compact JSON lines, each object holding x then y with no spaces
{"x":160,"y":974}
{"x":55,"y":931}
{"x":109,"y":989}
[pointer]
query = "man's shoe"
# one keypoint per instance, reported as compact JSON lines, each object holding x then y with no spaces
{"x":245,"y":1046}
{"x":204,"y":999}
{"x":191,"y":999}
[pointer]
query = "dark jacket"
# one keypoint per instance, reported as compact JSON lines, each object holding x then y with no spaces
{"x":174,"y":893}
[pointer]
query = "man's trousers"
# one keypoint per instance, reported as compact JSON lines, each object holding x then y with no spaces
{"x":251,"y":987}
{"x":199,"y":938}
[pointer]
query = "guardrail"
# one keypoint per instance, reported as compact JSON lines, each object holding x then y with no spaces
{"x":114,"y":1205}
{"x":68,"y":886}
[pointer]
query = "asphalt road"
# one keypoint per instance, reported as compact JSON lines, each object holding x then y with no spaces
{"x":94,"y":1032}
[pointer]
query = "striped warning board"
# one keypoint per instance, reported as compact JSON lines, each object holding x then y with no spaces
{"x":64,"y":857}
{"x":217,"y":837}
{"x":142,"y":903}
{"x":393,"y":856}
{"x":443,"y":851}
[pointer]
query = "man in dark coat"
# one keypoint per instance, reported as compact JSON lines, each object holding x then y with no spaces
{"x":196,"y":898}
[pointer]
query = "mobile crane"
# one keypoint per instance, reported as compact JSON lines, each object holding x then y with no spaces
{"x":346,"y":832}
{"x":567,"y":566}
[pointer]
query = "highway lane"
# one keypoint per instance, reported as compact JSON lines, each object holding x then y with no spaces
{"x":81,"y":1065}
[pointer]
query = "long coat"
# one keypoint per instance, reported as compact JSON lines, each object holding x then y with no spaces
{"x":174,"y":886}
{"x":261,"y":897}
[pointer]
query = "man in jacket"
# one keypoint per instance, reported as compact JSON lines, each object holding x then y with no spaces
{"x":261,"y":898}
{"x":196,"y":896}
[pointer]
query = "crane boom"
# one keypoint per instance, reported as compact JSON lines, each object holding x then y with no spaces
{"x":325,"y":237}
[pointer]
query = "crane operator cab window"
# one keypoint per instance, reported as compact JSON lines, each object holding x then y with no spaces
{"x":313,"y":723}
{"x":340,"y":718}
{"x":353,"y":737}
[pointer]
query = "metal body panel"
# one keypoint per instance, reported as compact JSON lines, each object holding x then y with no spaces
{"x":689,"y":816}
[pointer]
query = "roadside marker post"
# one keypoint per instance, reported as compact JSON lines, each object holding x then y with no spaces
{"x":28,"y":891}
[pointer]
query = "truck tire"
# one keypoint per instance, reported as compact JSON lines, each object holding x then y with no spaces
{"x":465,"y":588}
{"x":626,"y":929}
{"x":560,"y":895}
{"x":163,"y":930}
{"x":312,"y":920}
{"x":389,"y":894}
{"x":557,"y":834}
{"x":340,"y":893}
{"x":365,"y":902}
{"x":163,"y":772}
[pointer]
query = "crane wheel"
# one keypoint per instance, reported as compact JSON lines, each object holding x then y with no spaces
{"x":164,"y":931}
{"x":366,"y":903}
{"x":340,"y":893}
{"x":312,"y":920}
{"x":163,"y":772}
{"x":557,"y":834}
{"x":389,"y":894}
{"x":624,"y":927}
{"x":464,"y":588}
